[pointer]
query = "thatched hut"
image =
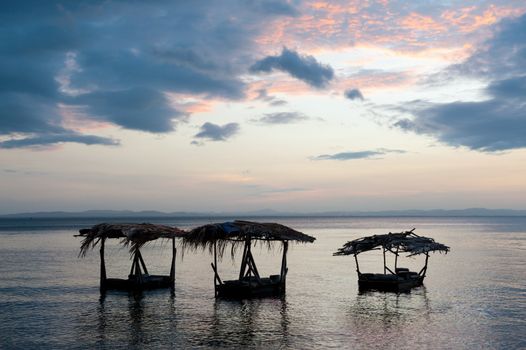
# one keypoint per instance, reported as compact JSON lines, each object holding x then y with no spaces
{"x":133,"y":236}
{"x":217,"y":237}
{"x":401,"y":279}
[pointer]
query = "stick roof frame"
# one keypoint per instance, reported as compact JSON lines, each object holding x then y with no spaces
{"x":237,"y":232}
{"x":402,"y":242}
{"x":131,"y":235}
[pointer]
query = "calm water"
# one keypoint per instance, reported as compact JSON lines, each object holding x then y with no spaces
{"x":474,"y":297}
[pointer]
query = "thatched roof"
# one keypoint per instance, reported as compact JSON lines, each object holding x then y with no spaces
{"x":133,"y":235}
{"x":237,"y":232}
{"x":403,"y":242}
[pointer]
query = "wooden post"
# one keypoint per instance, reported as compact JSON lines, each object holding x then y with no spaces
{"x":424,"y":269}
{"x":396,"y":258}
{"x":283,"y":273}
{"x":138,"y":272}
{"x":142,"y":262}
{"x":357,"y":266}
{"x":102,"y":267}
{"x":215,"y":268}
{"x":243,"y":260}
{"x":385,"y":266}
{"x":172,"y":266}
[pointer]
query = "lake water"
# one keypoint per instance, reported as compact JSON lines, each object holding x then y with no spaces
{"x":473,"y":298}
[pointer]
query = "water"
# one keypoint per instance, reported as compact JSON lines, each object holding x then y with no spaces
{"x":473,"y":298}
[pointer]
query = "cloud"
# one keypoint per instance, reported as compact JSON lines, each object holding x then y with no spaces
{"x":276,"y":7}
{"x":495,"y":124}
{"x":373,"y":154}
{"x":305,"y":68}
{"x":353,"y":94}
{"x":281,"y":118}
{"x":52,"y":139}
{"x":272,"y":100}
{"x":137,"y":108}
{"x":214,"y":132}
{"x":117,"y":60}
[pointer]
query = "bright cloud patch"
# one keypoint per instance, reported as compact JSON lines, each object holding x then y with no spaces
{"x":305,"y":68}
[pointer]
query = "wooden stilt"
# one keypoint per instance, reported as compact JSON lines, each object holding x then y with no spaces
{"x":214,"y":266}
{"x":424,"y":269}
{"x":172,"y":266}
{"x":244,"y":260}
{"x":385,"y":266}
{"x":283,"y":272}
{"x":396,"y":258}
{"x":357,"y":266}
{"x":102,"y":267}
{"x":142,"y":262}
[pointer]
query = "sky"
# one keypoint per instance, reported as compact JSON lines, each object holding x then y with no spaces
{"x":254,"y":104}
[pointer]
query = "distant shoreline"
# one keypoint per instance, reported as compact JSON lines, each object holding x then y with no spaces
{"x":116,"y":214}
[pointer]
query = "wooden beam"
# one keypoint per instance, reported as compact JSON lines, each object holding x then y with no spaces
{"x":396,"y":258}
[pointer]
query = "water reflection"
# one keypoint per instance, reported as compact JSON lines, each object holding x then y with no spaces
{"x":252,"y":323}
{"x":390,"y":308}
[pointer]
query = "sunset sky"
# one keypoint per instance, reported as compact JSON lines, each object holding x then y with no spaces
{"x":245,"y":105}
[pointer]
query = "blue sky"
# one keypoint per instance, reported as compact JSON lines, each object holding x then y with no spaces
{"x":241,"y":105}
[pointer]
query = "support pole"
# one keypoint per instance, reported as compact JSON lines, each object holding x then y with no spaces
{"x":283,"y":273}
{"x":357,"y":266}
{"x":172,"y":266}
{"x":424,"y":269}
{"x":138,"y":272}
{"x":142,"y":262}
{"x":215,"y":269}
{"x":396,"y":258}
{"x":102,"y":267}
{"x":244,"y":260}
{"x":385,"y":266}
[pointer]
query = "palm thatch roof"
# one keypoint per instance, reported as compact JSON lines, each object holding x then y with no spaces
{"x":403,"y":242}
{"x":236,"y":232}
{"x":132,"y":235}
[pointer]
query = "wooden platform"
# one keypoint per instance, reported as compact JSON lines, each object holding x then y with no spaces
{"x":403,"y":281}
{"x":250,"y":287}
{"x":146,"y":282}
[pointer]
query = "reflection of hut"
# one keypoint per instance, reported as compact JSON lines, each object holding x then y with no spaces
{"x":216,"y":237}
{"x":134,"y":236}
{"x":396,"y":243}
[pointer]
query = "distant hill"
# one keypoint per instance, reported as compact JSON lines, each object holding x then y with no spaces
{"x":268,"y":213}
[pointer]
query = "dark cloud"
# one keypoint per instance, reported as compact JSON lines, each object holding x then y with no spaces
{"x":353,"y":94}
{"x":52,"y":139}
{"x":139,"y":109}
{"x":356,"y":155}
{"x":305,"y":68}
{"x":495,"y":124}
{"x":214,"y":132}
{"x":276,"y":7}
{"x":116,"y":60}
{"x":272,"y":100}
{"x":282,"y":118}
